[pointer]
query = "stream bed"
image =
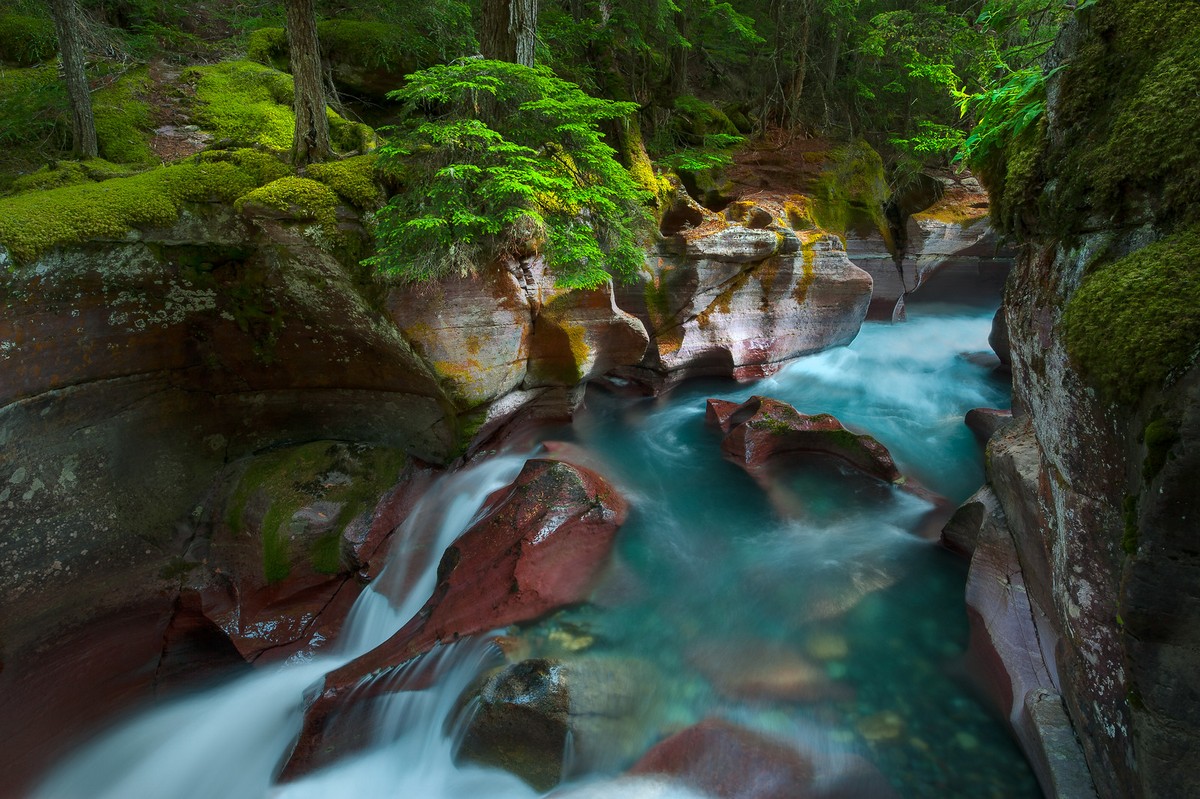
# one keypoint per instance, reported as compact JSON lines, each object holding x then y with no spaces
{"x":810,"y":612}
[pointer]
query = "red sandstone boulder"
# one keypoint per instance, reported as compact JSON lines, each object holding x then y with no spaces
{"x":722,"y":760}
{"x":540,"y":545}
{"x":762,"y":430}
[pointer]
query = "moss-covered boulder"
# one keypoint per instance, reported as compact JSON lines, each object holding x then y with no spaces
{"x":287,"y":538}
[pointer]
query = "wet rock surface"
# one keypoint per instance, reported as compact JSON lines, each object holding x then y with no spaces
{"x":546,"y":719}
{"x":540,"y":544}
{"x":762,"y":430}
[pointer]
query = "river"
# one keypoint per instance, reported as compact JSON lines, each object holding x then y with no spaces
{"x":714,"y":577}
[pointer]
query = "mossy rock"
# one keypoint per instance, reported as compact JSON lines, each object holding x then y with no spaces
{"x":851,"y":192}
{"x":337,"y":481}
{"x":693,"y":120}
{"x":58,"y":174}
{"x":26,"y":40}
{"x":34,"y":223}
{"x":352,"y":178}
{"x":1125,"y":138}
{"x":250,"y":105}
{"x":1134,"y":324}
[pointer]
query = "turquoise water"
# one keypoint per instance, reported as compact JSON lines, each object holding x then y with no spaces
{"x":818,"y":579}
{"x":804,"y":608}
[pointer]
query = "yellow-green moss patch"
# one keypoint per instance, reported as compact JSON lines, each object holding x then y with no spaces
{"x":69,"y":173}
{"x":245,"y":102}
{"x":123,"y":123}
{"x":299,"y":197}
{"x":352,"y":178}
{"x":34,"y":223}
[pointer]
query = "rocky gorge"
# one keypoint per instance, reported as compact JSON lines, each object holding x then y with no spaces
{"x":290,"y":408}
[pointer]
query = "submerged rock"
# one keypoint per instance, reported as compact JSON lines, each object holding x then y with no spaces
{"x":545,"y":719}
{"x":722,"y":760}
{"x":760,"y":671}
{"x":540,"y":544}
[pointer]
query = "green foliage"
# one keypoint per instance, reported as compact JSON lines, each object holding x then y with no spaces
{"x":352,"y":178}
{"x":34,"y":223}
{"x":33,"y":108}
{"x":26,"y":40}
{"x":1134,"y":324}
{"x":509,"y":160}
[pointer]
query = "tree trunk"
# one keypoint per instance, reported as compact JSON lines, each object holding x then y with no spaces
{"x":508,"y":31}
{"x":83,"y":121}
{"x":312,"y":125}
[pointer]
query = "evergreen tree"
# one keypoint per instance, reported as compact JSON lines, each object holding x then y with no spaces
{"x":508,"y":30}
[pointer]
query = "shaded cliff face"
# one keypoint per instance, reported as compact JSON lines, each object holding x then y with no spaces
{"x":1101,"y":315}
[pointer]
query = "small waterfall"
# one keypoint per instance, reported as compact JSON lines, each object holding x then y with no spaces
{"x":230,"y":741}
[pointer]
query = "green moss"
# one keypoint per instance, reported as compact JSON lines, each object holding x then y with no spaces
{"x":375,"y":45}
{"x":245,"y":102}
{"x":34,"y":223}
{"x":850,"y":193}
{"x":1129,"y":513}
{"x":297,"y":196}
{"x":352,"y":178}
{"x":1014,"y":178}
{"x":26,"y":40}
{"x":250,"y":105}
{"x":1134,"y":324}
{"x":347,"y":136}
{"x":695,"y":119}
{"x":1128,"y":114}
{"x":269,"y":47}
{"x":1159,"y":437}
{"x":69,"y":173}
{"x":353,"y":477}
{"x":123,"y":121}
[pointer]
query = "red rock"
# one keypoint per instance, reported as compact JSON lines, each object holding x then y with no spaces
{"x":762,"y":430}
{"x":726,"y":761}
{"x":540,"y":545}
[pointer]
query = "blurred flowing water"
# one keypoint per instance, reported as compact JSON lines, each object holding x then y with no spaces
{"x":820,"y":580}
